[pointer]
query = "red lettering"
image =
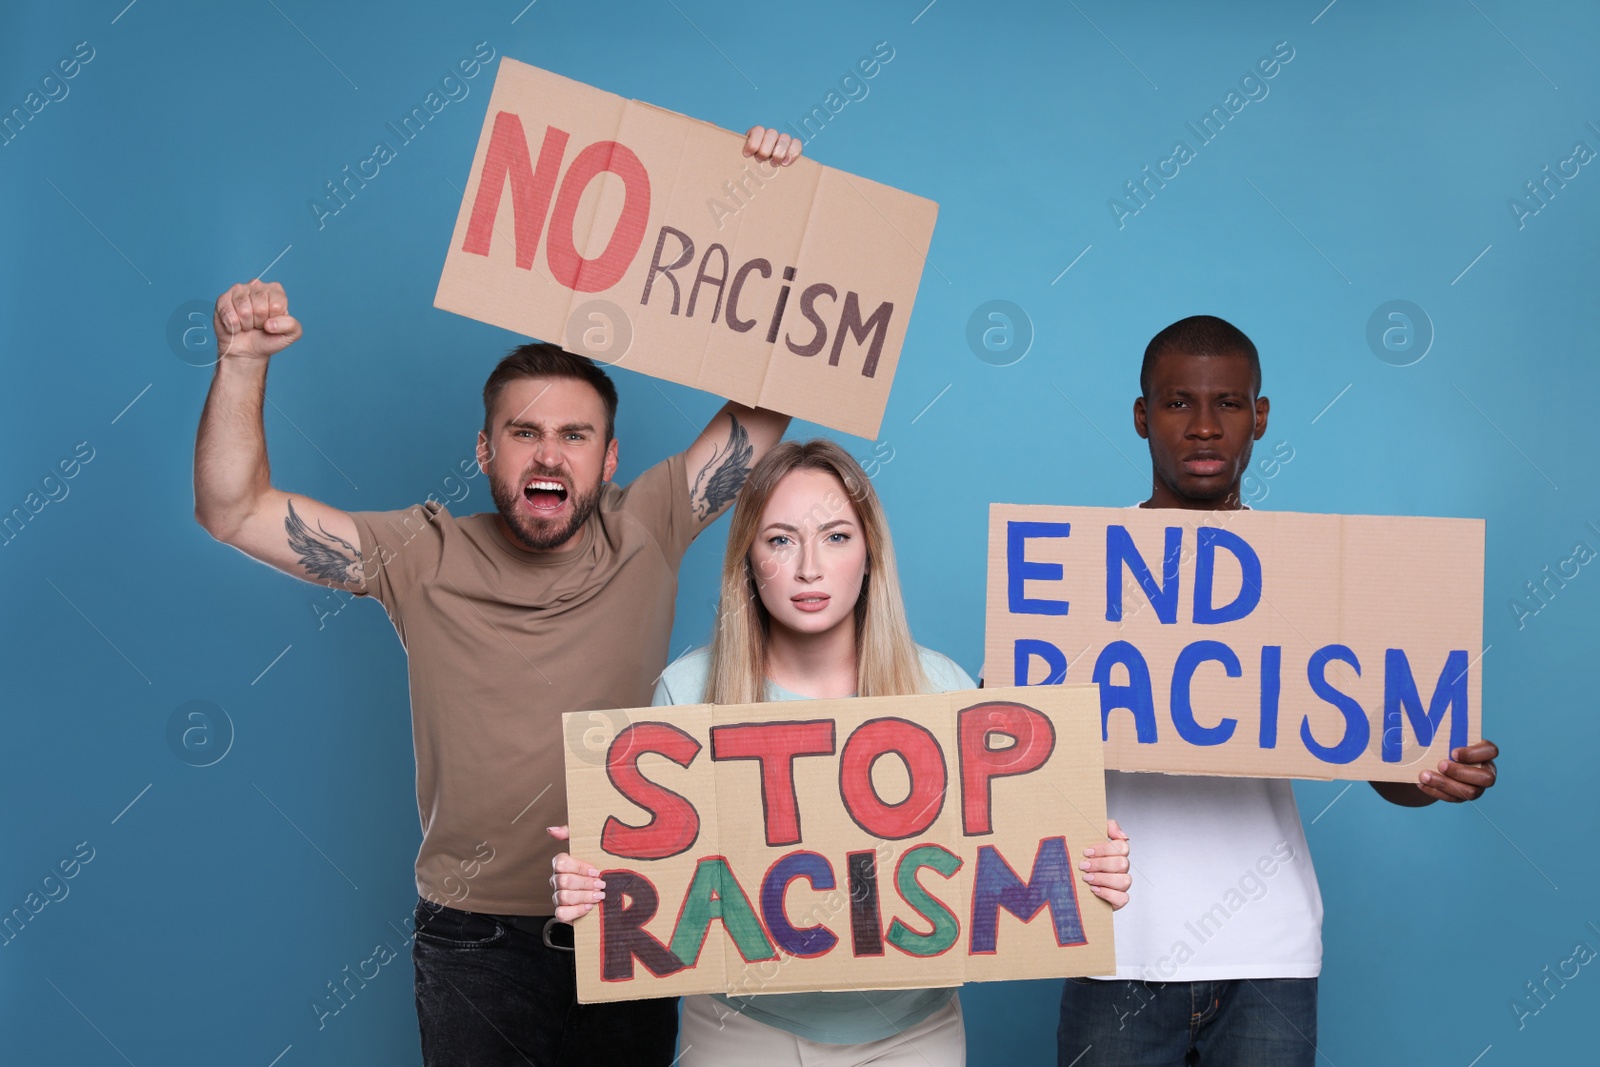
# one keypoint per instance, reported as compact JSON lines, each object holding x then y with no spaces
{"x":1033,"y":737}
{"x":674,"y":824}
{"x":924,"y":761}
{"x":775,"y":745}
{"x":507,"y":159}
{"x":602,"y":272}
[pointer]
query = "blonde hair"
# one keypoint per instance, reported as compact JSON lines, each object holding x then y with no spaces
{"x":887,"y":662}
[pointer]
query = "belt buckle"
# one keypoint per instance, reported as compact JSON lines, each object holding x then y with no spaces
{"x":545,"y":933}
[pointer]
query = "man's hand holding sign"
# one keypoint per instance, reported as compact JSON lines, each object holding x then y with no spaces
{"x":1235,"y":649}
{"x":567,"y":562}
{"x":1463,"y":776}
{"x":599,"y":222}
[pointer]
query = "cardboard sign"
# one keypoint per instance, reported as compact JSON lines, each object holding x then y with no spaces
{"x":646,"y":239}
{"x":1261,"y":644}
{"x":869,"y":843}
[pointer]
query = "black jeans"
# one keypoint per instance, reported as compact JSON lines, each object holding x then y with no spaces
{"x":489,"y":993}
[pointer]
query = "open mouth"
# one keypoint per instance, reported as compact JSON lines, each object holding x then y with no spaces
{"x":545,"y":494}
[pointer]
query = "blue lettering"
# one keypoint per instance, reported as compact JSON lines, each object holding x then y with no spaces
{"x":1357,"y":729}
{"x":1400,"y":691}
{"x":1271,"y":685}
{"x":1209,"y":539}
{"x":1134,"y":697}
{"x":1182,"y":674}
{"x":805,"y":941}
{"x":1020,"y":570}
{"x":1055,"y":661}
{"x":1052,"y":883}
{"x":1121,"y":550}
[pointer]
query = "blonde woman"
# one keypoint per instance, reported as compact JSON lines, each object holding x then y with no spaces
{"x":811,"y":608}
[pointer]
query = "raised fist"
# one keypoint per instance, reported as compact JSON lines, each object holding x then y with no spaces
{"x":253,"y":321}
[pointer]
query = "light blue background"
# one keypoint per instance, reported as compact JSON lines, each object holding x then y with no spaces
{"x":184,"y":159}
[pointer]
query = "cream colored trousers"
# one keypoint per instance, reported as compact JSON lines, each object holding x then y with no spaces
{"x":709,"y":1035}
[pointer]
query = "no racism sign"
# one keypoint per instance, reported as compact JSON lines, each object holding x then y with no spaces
{"x":586,"y":223}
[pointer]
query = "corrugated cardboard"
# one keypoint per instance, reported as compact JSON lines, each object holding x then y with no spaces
{"x":1386,"y":611}
{"x":588,"y":191}
{"x":1045,"y":802}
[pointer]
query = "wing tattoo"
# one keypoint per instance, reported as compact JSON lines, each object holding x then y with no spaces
{"x":720,"y":480}
{"x":325,"y":556}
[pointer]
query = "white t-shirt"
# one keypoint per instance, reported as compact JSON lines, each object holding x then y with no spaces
{"x":1223,"y":885}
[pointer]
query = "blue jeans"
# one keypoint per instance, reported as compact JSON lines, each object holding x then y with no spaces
{"x":490,"y":991}
{"x":1247,"y":1022}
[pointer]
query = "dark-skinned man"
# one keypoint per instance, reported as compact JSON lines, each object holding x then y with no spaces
{"x":1246,"y":992}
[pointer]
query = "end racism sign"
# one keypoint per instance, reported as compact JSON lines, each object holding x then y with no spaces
{"x":646,"y":239}
{"x":1247,"y":643}
{"x":869,"y":843}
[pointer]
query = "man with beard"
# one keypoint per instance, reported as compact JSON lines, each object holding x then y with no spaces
{"x":1245,"y":993}
{"x":560,"y":600}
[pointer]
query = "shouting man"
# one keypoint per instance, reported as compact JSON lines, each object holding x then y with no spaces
{"x":559,"y":600}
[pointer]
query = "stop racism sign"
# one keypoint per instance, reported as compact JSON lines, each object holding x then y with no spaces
{"x":860,"y":843}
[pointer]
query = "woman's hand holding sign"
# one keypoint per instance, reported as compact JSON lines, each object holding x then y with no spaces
{"x":576,"y":886}
{"x":1107,"y":869}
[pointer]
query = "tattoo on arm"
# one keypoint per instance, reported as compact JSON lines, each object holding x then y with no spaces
{"x":326,"y":556}
{"x":720,"y":480}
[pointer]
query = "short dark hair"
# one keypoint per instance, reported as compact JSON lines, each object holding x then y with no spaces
{"x":1200,"y":335}
{"x":542,"y":360}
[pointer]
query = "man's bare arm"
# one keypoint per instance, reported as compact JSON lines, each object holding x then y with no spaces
{"x":735,"y":440}
{"x":721,"y":457}
{"x":233,"y":495}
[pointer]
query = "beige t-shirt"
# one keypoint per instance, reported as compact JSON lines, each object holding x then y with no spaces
{"x":500,"y":642}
